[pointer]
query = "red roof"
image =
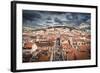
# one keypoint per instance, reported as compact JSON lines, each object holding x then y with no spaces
{"x":84,"y":47}
{"x":28,"y":45}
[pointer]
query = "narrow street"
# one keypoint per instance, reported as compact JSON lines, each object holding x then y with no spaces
{"x":57,"y":52}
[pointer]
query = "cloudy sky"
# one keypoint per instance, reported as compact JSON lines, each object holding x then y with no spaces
{"x":49,"y":18}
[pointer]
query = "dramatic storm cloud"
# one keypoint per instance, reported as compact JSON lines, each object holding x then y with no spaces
{"x":49,"y":18}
